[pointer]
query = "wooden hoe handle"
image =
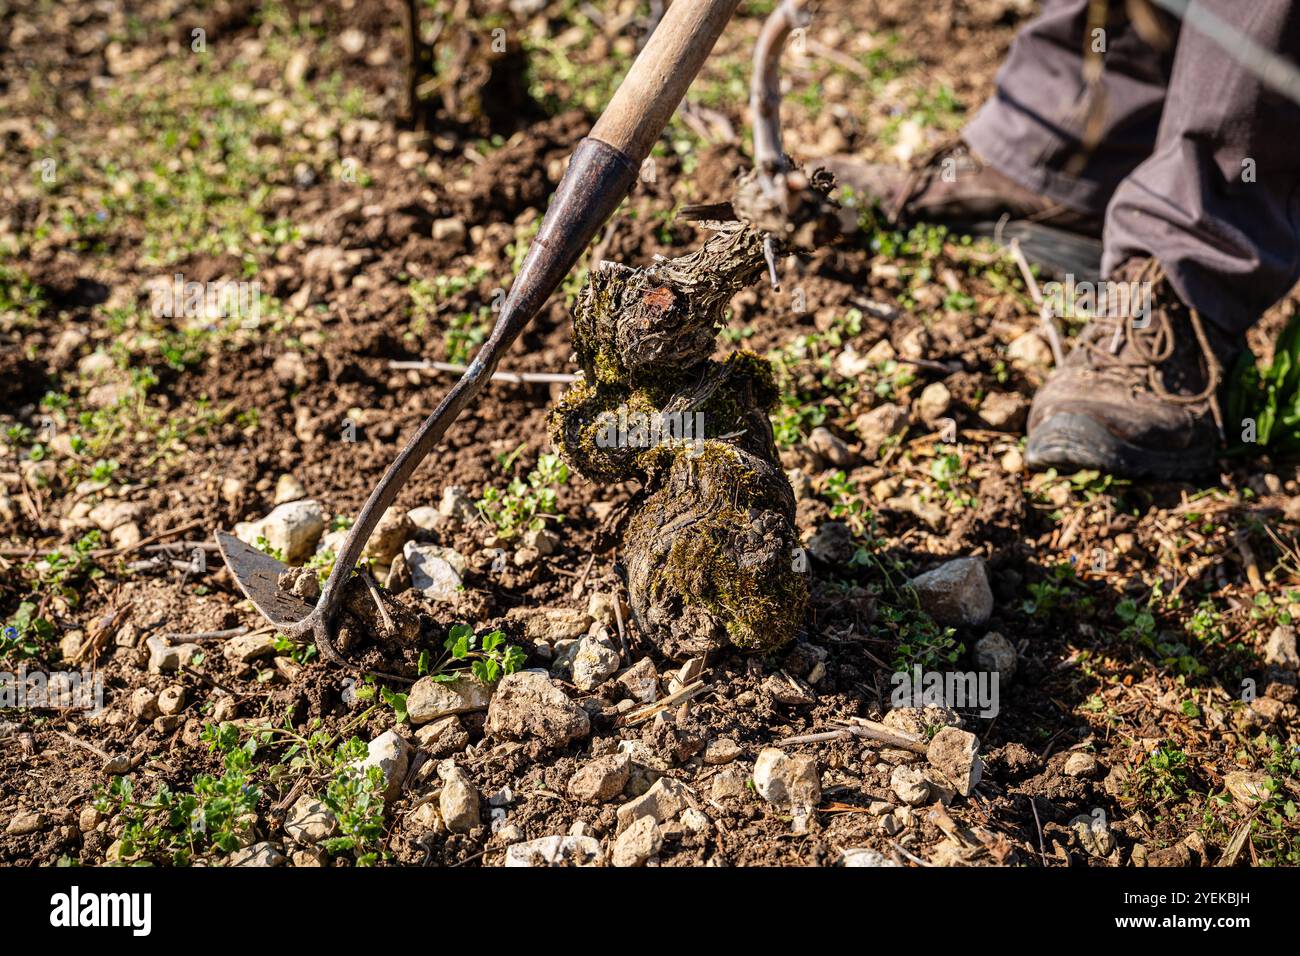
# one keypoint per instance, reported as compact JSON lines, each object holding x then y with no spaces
{"x":652,"y":89}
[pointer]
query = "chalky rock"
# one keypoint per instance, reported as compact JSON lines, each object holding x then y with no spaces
{"x":287,"y":487}
{"x":459,"y":802}
{"x":113,"y":514}
{"x":601,"y":779}
{"x":933,"y":402}
{"x":25,"y":822}
{"x":830,"y":448}
{"x":528,"y":706}
{"x":291,"y":529}
{"x":558,"y":850}
{"x":457,"y":505}
{"x":957,"y":593}
{"x":551,"y":624}
{"x":909,"y":785}
{"x":953,"y":753}
{"x":429,"y":699}
{"x":862,"y":856}
{"x":1030,"y":351}
{"x":309,"y":821}
{"x":391,"y":754}
{"x":259,"y":854}
{"x":165,"y":658}
{"x":247,"y":648}
{"x":879,"y":425}
{"x":435,"y":571}
{"x":640,"y":681}
{"x":1080,"y":764}
{"x":443,"y":736}
{"x":594,"y":662}
{"x":787,"y":781}
{"x":1005,"y":410}
{"x":994,"y":654}
{"x":1280,"y":651}
{"x":1094,"y":834}
{"x":1248,"y":788}
{"x":920,"y":721}
{"x":638,"y":843}
{"x":662,"y":802}
{"x":395,"y":528}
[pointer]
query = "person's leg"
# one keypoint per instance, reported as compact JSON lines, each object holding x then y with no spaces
{"x":1207,"y":232}
{"x":1041,"y":159}
{"x":1033,"y":128}
{"x":1218,"y":202}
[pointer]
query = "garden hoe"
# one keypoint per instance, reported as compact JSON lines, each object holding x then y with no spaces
{"x":601,"y":173}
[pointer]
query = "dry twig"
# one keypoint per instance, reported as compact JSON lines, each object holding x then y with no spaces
{"x":649,"y":711}
{"x":514,"y":378}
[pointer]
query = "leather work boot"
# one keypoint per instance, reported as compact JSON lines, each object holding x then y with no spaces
{"x":952,"y":185}
{"x":1137,"y":396}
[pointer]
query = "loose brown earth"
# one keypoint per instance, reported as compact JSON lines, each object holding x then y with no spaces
{"x":276,"y":155}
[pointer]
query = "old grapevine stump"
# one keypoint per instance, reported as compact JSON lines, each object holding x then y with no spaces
{"x":710,"y":546}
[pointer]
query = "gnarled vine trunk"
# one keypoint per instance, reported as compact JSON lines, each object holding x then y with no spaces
{"x":710,"y":548}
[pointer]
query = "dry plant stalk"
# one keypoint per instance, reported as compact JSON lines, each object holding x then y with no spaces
{"x":784,"y":202}
{"x":765,"y":90}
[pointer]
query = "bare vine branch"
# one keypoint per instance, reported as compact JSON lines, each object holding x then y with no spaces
{"x":765,"y":91}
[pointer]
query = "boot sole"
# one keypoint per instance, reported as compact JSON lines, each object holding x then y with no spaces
{"x":1068,"y":441}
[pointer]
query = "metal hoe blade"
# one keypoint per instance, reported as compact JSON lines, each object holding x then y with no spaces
{"x":258,"y":575}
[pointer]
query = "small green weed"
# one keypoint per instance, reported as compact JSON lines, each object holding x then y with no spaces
{"x":489,"y":657}
{"x":526,"y":504}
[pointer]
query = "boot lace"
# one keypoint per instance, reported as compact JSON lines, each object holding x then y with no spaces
{"x":1151,"y":341}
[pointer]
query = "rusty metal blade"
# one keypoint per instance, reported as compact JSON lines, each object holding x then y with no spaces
{"x":258,"y":575}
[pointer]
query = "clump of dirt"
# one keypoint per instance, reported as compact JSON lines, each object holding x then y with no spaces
{"x":515,"y":177}
{"x":710,"y":543}
{"x":21,"y":379}
{"x":480,"y":81}
{"x":368,"y":616}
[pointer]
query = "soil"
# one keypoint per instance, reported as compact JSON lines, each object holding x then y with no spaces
{"x":369,"y":240}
